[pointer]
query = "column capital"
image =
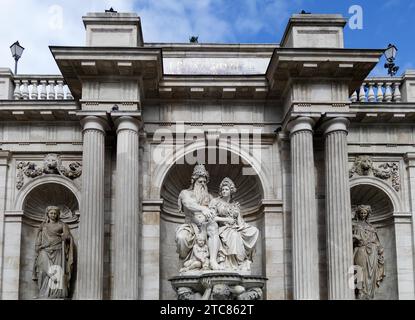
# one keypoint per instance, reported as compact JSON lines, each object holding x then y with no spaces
{"x":127,"y":122}
{"x":91,"y":122}
{"x":335,"y":124}
{"x":4,"y":157}
{"x":300,"y":124}
{"x":410,"y":159}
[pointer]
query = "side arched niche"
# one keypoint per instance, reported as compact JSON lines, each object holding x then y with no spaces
{"x":34,"y":207}
{"x":249,"y":194}
{"x":382,"y":220}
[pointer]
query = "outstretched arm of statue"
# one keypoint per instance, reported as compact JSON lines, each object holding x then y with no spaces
{"x":224,"y":219}
{"x":192,"y":205}
{"x":66,"y":233}
{"x":38,"y":242}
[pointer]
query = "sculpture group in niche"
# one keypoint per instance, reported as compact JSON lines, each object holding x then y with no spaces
{"x":363,"y":166}
{"x":54,"y":257}
{"x":368,"y":254}
{"x":217,"y":222}
{"x":52,"y":164}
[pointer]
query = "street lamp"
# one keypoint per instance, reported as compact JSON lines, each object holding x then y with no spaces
{"x":17,"y":51}
{"x":390,"y":55}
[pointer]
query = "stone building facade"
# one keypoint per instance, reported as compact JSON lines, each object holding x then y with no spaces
{"x":301,"y":129}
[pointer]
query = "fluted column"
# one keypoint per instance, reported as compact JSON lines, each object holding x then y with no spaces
{"x":91,"y":228}
{"x":126,"y":264}
{"x":338,"y":210}
{"x":304,"y":213}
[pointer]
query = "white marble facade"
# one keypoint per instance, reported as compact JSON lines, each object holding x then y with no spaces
{"x":288,"y":123}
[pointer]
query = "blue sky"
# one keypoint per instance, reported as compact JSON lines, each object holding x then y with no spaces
{"x":57,"y":22}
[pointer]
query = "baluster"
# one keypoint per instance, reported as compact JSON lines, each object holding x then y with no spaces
{"x":388,"y":92}
{"x":353,"y":97}
{"x":43,"y":92}
{"x":17,"y":94}
{"x":396,"y":92}
{"x":69,"y":95}
{"x":362,"y":93}
{"x":51,"y":95}
{"x":25,"y":90}
{"x":379,"y":95}
{"x":371,"y":93}
{"x":59,"y":90}
{"x":34,"y":93}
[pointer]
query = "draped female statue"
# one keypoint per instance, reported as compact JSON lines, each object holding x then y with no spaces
{"x":54,"y":257}
{"x":368,"y":254}
{"x":237,"y":238}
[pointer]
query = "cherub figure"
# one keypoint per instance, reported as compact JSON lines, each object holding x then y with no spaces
{"x":200,"y":255}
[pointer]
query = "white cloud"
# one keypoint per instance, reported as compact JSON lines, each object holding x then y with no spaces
{"x":37,"y":24}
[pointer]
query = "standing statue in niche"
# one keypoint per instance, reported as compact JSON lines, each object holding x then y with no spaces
{"x":194,"y":202}
{"x":54,"y":257}
{"x":368,"y":254}
{"x":238,"y":239}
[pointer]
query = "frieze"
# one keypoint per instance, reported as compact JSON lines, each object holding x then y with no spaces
{"x":52,"y":164}
{"x":364,"y":166}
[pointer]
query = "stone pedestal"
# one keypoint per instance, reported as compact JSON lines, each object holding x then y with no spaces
{"x":126,"y":264}
{"x":338,"y":210}
{"x":304,"y":213}
{"x":91,"y":227}
{"x":230,"y":286}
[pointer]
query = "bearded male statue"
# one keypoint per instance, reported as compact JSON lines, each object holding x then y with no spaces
{"x":193,"y":203}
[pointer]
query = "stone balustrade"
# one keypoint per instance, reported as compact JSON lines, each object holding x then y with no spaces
{"x":34,"y":87}
{"x":376,"y":90}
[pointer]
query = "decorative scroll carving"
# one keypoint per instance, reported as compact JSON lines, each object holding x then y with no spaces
{"x":52,"y":164}
{"x":73,"y":171}
{"x":363,"y":166}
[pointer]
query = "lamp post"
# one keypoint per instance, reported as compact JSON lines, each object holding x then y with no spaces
{"x":390,"y":55}
{"x":17,"y":51}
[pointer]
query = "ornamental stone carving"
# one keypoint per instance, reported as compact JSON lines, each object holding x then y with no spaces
{"x":52,"y":164}
{"x":219,"y":286}
{"x":215,"y":245}
{"x":368,"y":255}
{"x":215,"y":235}
{"x":364,"y":166}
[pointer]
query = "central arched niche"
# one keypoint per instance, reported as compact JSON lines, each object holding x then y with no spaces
{"x":382,"y":220}
{"x":249,"y":194}
{"x":34,"y":208}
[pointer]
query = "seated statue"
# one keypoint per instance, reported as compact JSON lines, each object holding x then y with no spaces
{"x":54,"y":257}
{"x":238,"y":239}
{"x":193,"y":203}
